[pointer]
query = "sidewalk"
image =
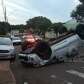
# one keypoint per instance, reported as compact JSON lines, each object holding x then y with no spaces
{"x":6,"y":75}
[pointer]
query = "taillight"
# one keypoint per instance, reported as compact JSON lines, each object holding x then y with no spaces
{"x":30,"y":40}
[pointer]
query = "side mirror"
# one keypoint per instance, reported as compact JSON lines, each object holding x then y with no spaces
{"x":80,"y":31}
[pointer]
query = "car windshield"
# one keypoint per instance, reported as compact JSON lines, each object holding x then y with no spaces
{"x":5,"y":41}
{"x":15,"y":38}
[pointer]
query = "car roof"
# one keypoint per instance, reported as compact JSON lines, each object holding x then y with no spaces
{"x":5,"y":38}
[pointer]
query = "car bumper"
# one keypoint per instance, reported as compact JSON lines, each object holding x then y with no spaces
{"x":6,"y":56}
{"x":17,"y":43}
{"x":25,"y":59}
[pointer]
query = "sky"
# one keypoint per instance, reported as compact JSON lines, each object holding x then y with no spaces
{"x":19,"y":11}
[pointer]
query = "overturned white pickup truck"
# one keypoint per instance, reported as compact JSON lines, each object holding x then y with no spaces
{"x":57,"y":51}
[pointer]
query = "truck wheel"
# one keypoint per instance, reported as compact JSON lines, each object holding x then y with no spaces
{"x":74,"y":52}
{"x":43,"y":50}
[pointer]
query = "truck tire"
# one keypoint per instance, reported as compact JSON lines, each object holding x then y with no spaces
{"x":43,"y":50}
{"x":74,"y":52}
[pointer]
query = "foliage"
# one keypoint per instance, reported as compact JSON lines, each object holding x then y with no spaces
{"x":4,"y":28}
{"x":78,"y":14}
{"x":39,"y":23}
{"x":18,"y":27}
{"x":80,"y":30}
{"x":58,"y":28}
{"x":81,"y":1}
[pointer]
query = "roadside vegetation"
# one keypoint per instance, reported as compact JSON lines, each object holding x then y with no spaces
{"x":41,"y":24}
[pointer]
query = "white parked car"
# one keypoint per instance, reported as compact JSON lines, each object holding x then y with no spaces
{"x":7,"y":50}
{"x":56,"y":52}
{"x":16,"y":40}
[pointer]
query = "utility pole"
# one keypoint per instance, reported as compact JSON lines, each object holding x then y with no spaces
{"x":4,"y":11}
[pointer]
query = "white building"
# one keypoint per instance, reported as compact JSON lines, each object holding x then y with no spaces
{"x":71,"y":24}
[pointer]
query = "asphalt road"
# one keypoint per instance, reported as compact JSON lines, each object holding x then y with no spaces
{"x":64,"y":73}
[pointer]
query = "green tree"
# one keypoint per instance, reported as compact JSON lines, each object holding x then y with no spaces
{"x":78,"y":14}
{"x":20,"y":27}
{"x":4,"y":28}
{"x":80,"y":30}
{"x":58,"y":28}
{"x":39,"y":23}
{"x":82,"y":1}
